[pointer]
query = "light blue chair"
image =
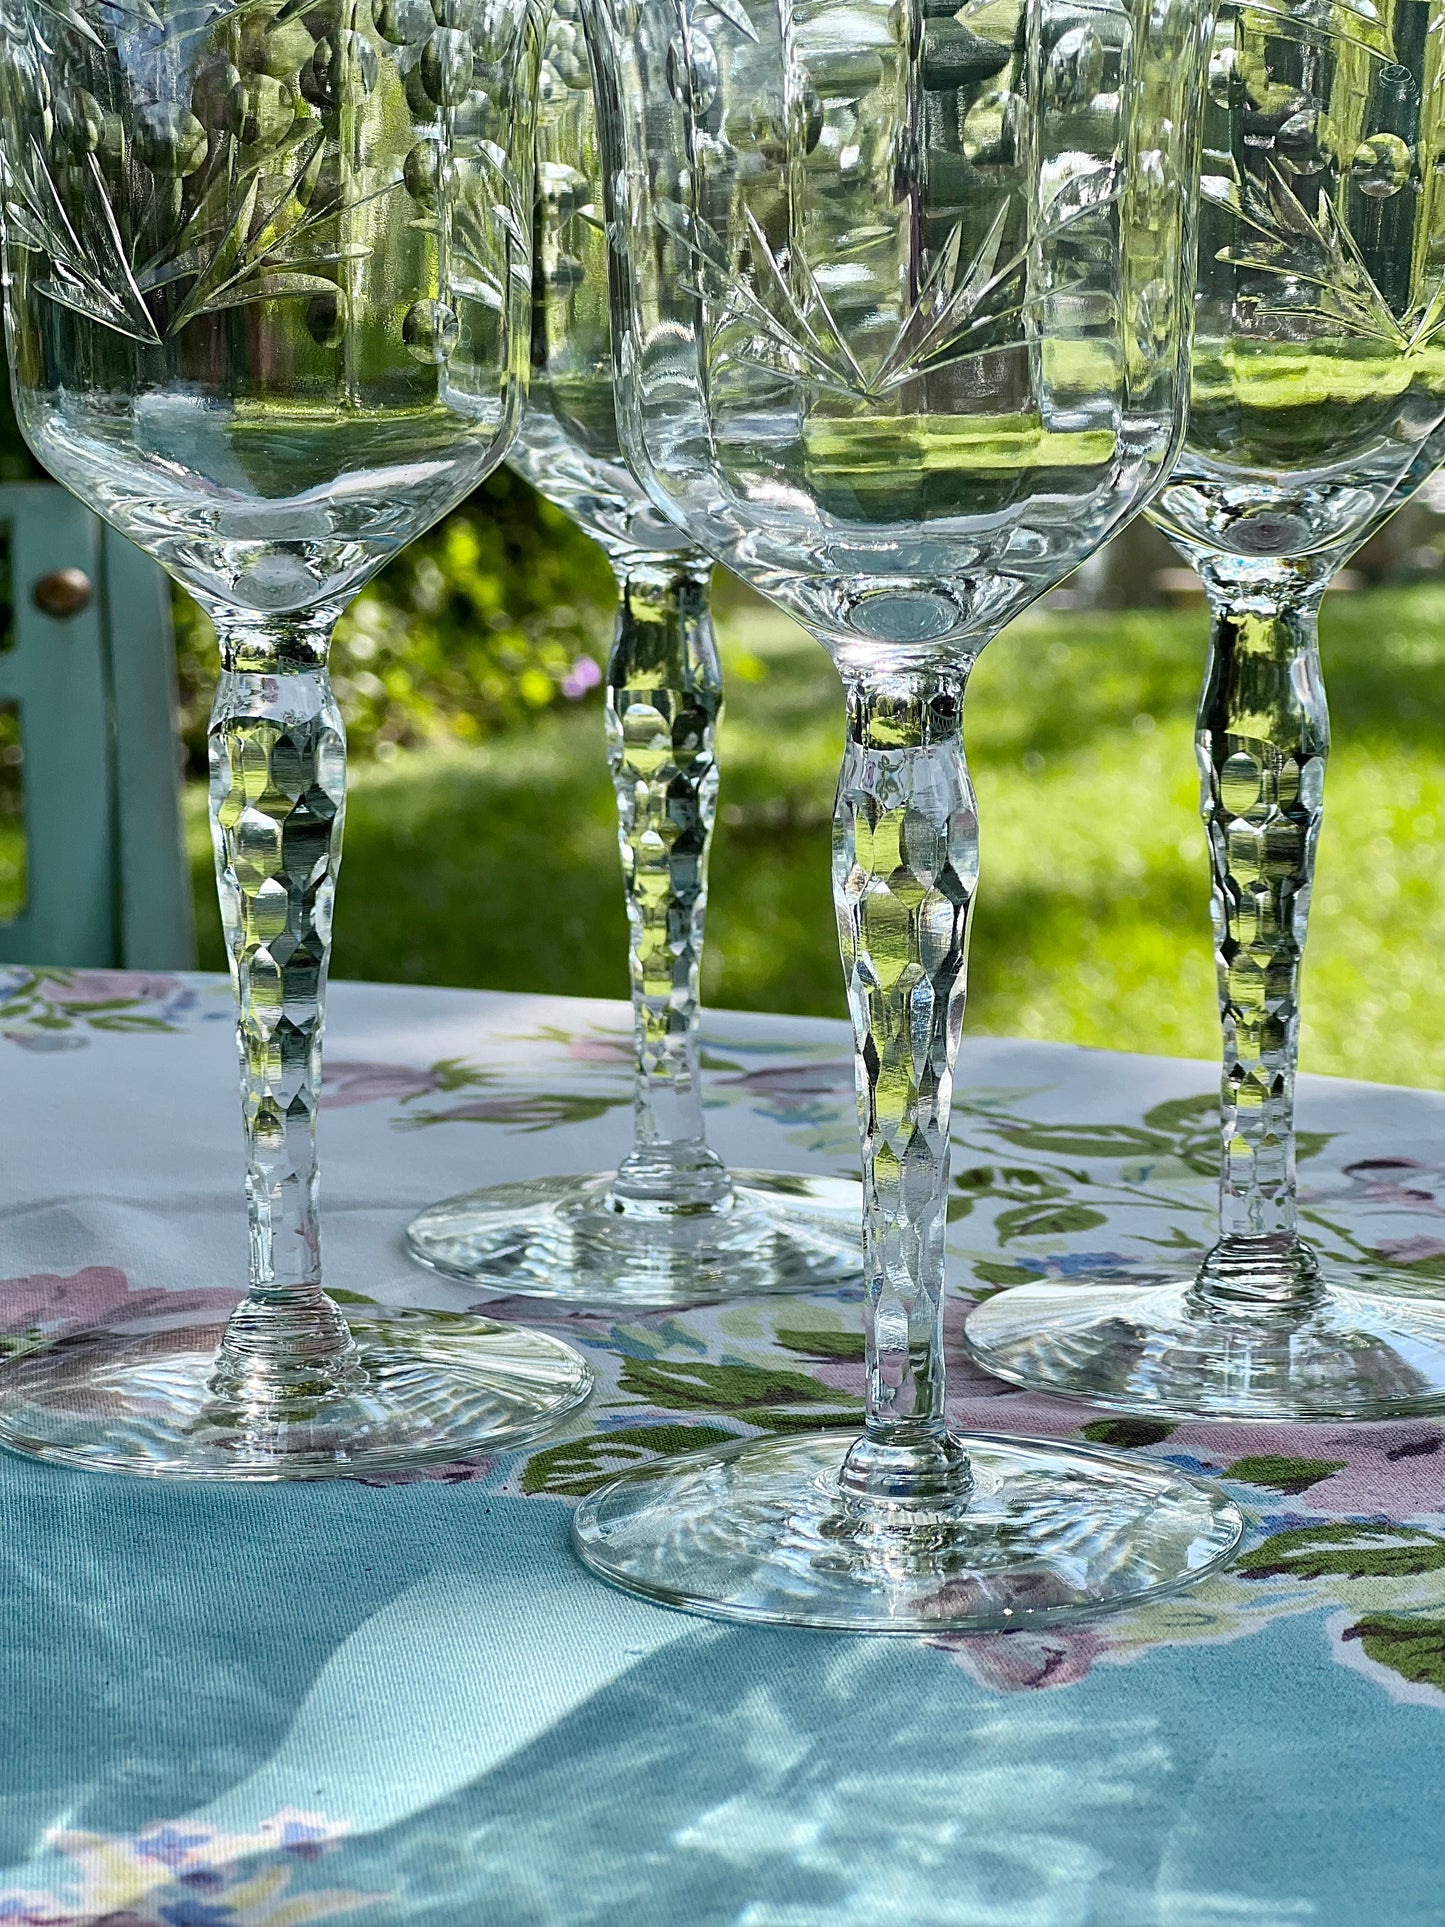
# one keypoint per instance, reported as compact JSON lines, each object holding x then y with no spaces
{"x":88,"y":668}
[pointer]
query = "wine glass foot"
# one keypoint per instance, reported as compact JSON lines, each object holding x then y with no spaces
{"x":422,"y":1388}
{"x":1346,"y":1352}
{"x":559,"y":1238}
{"x":761,"y":1530}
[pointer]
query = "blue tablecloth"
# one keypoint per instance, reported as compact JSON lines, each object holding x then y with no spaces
{"x":404,"y":1701}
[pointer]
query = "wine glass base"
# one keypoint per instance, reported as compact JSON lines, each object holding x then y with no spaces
{"x":760,"y":1530}
{"x":1146,"y":1348}
{"x":427,"y":1388}
{"x":557,"y":1238}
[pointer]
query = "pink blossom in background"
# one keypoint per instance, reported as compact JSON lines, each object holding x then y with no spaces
{"x":582,"y":676}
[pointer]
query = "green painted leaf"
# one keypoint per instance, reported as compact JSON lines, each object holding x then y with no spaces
{"x":1309,"y":1144}
{"x":1087,"y":1140}
{"x":1045,"y":1220}
{"x":720,"y":1388}
{"x":1183,"y":1113}
{"x":821,"y":1344}
{"x":1349,"y":1549}
{"x":1410,"y":1646}
{"x":1283,"y":1474}
{"x":978,"y":1177}
{"x":541,"y":1111}
{"x":1418,"y":1267}
{"x":846,"y":1418}
{"x":1010,"y":1181}
{"x":1126,"y":1433}
{"x":456,"y":1074}
{"x":582,"y":1465}
{"x":1176,"y":1241}
{"x":992,"y":1274}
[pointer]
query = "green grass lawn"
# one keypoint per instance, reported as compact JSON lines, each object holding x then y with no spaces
{"x":497,"y":866}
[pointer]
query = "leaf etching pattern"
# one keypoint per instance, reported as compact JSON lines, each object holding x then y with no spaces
{"x":772,"y":311}
{"x":144,"y":215}
{"x":86,"y":265}
{"x":1314,"y":260}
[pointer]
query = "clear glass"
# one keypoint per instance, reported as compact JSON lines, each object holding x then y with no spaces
{"x":899,"y":313}
{"x":1318,"y":393}
{"x":671,"y":1225}
{"x":266,"y":298}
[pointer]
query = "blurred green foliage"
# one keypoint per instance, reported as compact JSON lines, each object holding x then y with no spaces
{"x":480,"y":623}
{"x":17,"y":464}
{"x":497,"y":865}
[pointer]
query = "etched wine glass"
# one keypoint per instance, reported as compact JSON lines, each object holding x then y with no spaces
{"x":899,"y":313}
{"x":672,"y":1224}
{"x":267,"y":275}
{"x":1318,"y":395}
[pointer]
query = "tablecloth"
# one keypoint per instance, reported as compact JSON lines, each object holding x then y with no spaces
{"x":405,"y":1702}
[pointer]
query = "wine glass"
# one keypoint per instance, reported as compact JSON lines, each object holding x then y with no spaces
{"x":1318,"y":393}
{"x":671,"y":1225}
{"x":267,"y":273}
{"x":899,"y":313}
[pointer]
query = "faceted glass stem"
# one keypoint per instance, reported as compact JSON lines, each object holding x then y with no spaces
{"x":278,"y":799}
{"x":664,"y":705}
{"x":1262,"y":739}
{"x":905,"y":868}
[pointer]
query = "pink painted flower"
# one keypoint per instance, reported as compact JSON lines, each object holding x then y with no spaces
{"x":1395,"y":1468}
{"x":1025,"y":1661}
{"x":347,"y":1082}
{"x":1402,"y":1181}
{"x":108,"y":986}
{"x":796,"y":1080}
{"x":455,"y":1472}
{"x":98,"y":1295}
{"x":25,"y":1908}
{"x":600,"y":1050}
{"x":1410,"y":1251}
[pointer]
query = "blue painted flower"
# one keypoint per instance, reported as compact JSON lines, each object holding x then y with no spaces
{"x":191,"y":1911}
{"x":172,"y":1846}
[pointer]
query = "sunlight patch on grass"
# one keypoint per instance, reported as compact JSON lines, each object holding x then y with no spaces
{"x":498,"y":865}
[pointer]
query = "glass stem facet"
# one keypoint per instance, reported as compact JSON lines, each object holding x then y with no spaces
{"x":1262,"y":739}
{"x":905,"y":869}
{"x":278,"y":799}
{"x":664,"y":705}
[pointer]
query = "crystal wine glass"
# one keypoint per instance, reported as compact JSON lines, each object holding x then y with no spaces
{"x":671,"y":1225}
{"x":899,"y":317}
{"x":1318,"y":392}
{"x":267,"y":271}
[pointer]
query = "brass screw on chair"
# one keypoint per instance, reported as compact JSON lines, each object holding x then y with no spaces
{"x":62,"y":593}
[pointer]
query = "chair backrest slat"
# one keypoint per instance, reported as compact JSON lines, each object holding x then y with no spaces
{"x":106,"y":879}
{"x":156,"y":928}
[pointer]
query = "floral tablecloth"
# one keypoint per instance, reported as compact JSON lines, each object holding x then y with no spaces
{"x":404,"y":1702}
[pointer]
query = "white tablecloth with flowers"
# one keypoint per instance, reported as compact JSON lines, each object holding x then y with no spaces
{"x":404,"y":1702}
